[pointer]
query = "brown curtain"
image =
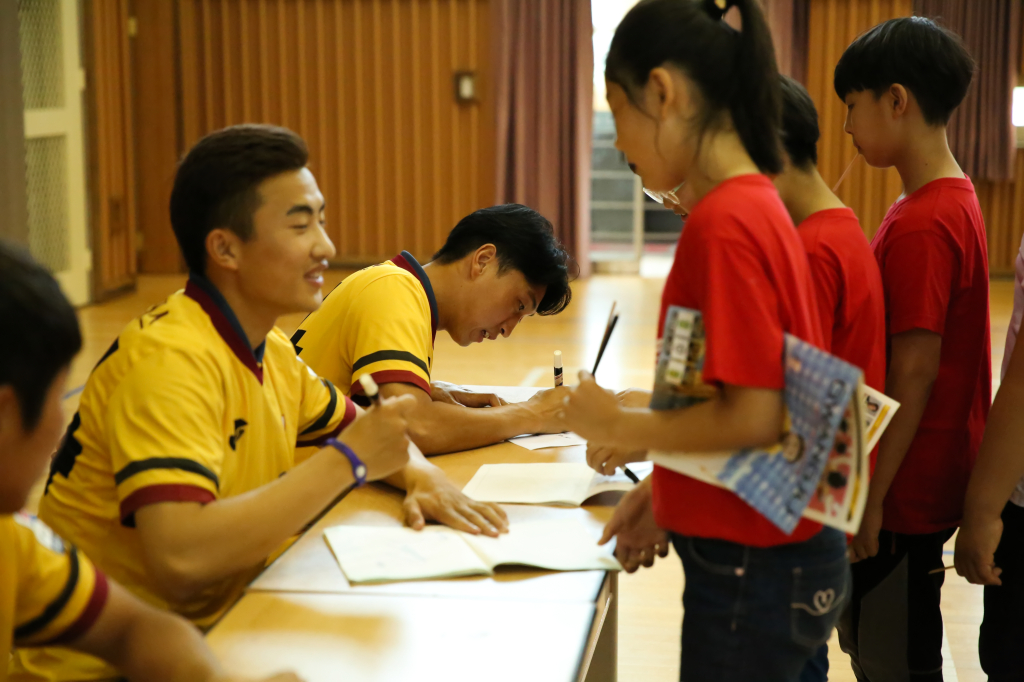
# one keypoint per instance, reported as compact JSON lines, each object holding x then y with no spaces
{"x":981,"y":134}
{"x":543,"y":87}
{"x":787,"y":20}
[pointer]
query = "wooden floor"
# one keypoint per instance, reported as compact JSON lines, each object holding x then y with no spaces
{"x":650,"y":610}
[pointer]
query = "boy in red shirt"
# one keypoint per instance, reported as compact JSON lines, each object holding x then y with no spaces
{"x":848,"y":286}
{"x":901,"y":81}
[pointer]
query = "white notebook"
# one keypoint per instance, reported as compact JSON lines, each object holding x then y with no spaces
{"x":558,"y":483}
{"x":375,"y":554}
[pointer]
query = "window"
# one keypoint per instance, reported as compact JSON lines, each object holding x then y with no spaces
{"x":1017,"y":115}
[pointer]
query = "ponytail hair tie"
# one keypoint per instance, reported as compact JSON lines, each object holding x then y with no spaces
{"x":716,"y":9}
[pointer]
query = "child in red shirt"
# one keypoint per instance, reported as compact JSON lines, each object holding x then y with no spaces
{"x":848,"y":285}
{"x":696,"y":101}
{"x":901,"y":82}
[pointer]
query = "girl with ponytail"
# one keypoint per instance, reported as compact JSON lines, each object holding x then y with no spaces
{"x":698,"y":102}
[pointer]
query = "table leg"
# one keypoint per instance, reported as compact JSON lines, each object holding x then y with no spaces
{"x":600,"y":662}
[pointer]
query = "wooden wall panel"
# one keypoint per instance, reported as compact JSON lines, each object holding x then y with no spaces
{"x":833,"y":24}
{"x":111,"y":146}
{"x":368,"y":84}
{"x":1002,"y":203}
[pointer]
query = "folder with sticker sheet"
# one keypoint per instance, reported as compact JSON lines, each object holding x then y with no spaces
{"x":820,"y":468}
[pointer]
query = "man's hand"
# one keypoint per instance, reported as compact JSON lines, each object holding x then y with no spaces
{"x":444,"y":392}
{"x":865,"y":543}
{"x":380,"y":437}
{"x":431,"y":496}
{"x":976,"y":545}
{"x":546,"y":408}
{"x":605,"y":459}
{"x":639,"y":538}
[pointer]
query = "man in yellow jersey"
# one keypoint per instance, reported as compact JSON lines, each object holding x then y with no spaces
{"x":178,"y":474}
{"x":498,"y":265}
{"x":50,"y":593}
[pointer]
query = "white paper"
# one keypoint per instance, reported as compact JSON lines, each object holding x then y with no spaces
{"x":548,"y":440}
{"x":369,"y":554}
{"x":560,"y":483}
{"x":382,"y":553}
{"x":559,"y":545}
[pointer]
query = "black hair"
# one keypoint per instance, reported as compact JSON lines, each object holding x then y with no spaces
{"x":524,"y":241}
{"x":928,"y":60}
{"x":216,"y":183}
{"x":800,"y":131}
{"x":40,"y":331}
{"x":735,"y":71}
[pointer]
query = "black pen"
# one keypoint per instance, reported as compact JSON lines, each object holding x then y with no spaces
{"x":613,"y":318}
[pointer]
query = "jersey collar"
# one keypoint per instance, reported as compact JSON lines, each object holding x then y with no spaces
{"x":406,"y":261}
{"x":213,"y":303}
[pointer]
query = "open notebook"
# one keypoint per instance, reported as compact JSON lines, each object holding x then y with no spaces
{"x":375,"y":554}
{"x":557,"y":483}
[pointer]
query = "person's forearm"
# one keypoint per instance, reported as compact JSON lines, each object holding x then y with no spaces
{"x":227,"y":536}
{"x":912,"y":392}
{"x":439,"y":428}
{"x":417,"y":466}
{"x":1000,"y":462}
{"x":163,"y":648}
{"x":716,"y":425}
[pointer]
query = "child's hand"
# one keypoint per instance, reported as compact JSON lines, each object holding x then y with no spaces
{"x":605,"y":459}
{"x":865,"y":543}
{"x":639,"y":538}
{"x":976,"y":545}
{"x":592,"y":411}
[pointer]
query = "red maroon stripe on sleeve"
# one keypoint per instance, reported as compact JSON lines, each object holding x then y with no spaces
{"x":393,"y":376}
{"x":92,"y":611}
{"x":154,"y":494}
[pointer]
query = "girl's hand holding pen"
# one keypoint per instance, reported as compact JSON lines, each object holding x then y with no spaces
{"x":592,"y":412}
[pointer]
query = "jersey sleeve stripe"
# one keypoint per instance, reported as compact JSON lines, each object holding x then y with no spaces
{"x":154,"y":494}
{"x":90,"y":614}
{"x":350,"y":415}
{"x":394,"y":376}
{"x":181,"y":463}
{"x":54,"y":608}
{"x":383,"y":355}
{"x":324,"y":419}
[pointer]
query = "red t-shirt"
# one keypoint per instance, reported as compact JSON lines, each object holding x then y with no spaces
{"x":933,"y":254}
{"x":848,"y":288}
{"x":740,"y":262}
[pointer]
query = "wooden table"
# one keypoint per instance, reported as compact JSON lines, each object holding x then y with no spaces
{"x":521,"y":624}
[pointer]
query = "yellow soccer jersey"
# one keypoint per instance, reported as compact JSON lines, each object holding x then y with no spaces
{"x":181,"y":409}
{"x":380,"y":321}
{"x":49,"y":592}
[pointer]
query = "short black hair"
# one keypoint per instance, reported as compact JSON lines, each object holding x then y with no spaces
{"x":524,"y":241}
{"x":40,"y":331}
{"x":928,"y":60}
{"x":216,"y":183}
{"x":800,"y":131}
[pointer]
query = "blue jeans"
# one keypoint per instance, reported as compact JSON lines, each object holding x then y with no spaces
{"x":758,"y":615}
{"x":816,"y":669}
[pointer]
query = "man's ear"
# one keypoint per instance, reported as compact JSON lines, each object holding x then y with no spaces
{"x":223,"y":248}
{"x":483,"y":259}
{"x":900,"y":98}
